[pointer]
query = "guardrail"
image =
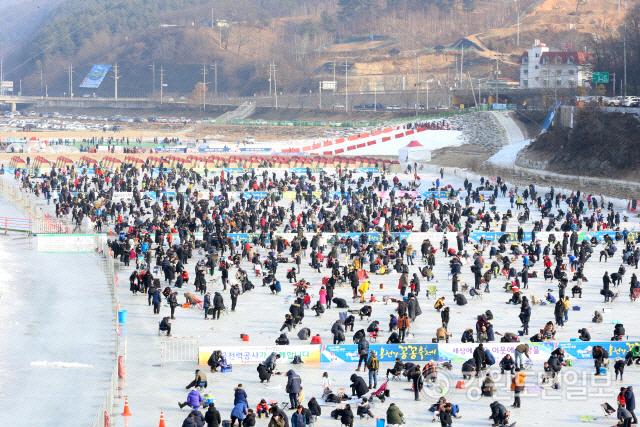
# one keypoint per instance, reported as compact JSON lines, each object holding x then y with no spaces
{"x":108,"y":411}
{"x":362,"y":123}
{"x":25,"y":201}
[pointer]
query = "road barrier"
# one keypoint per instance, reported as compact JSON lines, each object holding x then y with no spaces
{"x":179,"y":349}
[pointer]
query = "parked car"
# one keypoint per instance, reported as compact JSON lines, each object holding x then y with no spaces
{"x":630,"y":101}
{"x":393,"y":107}
{"x":613,"y":101}
{"x":249,"y":140}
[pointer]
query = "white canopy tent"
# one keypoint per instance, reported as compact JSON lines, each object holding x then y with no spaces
{"x":414,"y":152}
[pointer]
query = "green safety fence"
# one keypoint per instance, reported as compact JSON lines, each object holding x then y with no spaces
{"x":362,"y":123}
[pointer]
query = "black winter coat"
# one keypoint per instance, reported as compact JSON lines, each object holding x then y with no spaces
{"x":212,"y":417}
{"x":358,"y":386}
{"x":218,"y":302}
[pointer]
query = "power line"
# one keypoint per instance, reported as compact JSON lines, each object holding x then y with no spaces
{"x":65,"y":37}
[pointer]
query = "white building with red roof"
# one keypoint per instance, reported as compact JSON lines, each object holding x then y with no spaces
{"x":542,"y":68}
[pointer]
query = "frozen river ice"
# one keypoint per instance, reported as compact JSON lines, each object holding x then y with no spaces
{"x":56,"y":336}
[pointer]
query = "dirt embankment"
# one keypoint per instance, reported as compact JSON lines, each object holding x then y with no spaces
{"x":605,"y":145}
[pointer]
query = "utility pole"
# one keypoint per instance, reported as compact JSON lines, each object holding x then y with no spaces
{"x":275,"y":83}
{"x":346,"y":86}
{"x":614,"y":84}
{"x":153,"y":71}
{"x":320,"y":94}
{"x":41,"y":81}
{"x":497,"y":75}
{"x":204,"y":83}
{"x":1,"y":77}
{"x":518,"y":33}
{"x":116,"y":77}
{"x":375,"y":96}
{"x":71,"y":80}
{"x":418,"y":88}
{"x":426,"y":107}
{"x":270,"y":68}
{"x":455,"y":78}
{"x":161,"y":83}
{"x":625,"y":49}
{"x":334,"y":75}
{"x":461,"y":62}
{"x":215,"y":78}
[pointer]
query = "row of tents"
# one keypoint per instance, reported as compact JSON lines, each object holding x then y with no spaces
{"x":211,"y":162}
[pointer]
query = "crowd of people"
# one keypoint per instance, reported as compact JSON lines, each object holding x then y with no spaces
{"x":144,"y":229}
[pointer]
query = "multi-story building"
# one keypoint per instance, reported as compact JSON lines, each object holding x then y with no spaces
{"x":541,"y":68}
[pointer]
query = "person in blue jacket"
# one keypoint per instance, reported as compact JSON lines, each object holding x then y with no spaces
{"x":489,"y":359}
{"x":240,"y":395}
{"x":467,"y":336}
{"x":207,"y":304}
{"x":468,"y":368}
{"x":298,"y":419}
{"x":157,"y":300}
{"x":194,"y":399}
{"x":238,"y":413}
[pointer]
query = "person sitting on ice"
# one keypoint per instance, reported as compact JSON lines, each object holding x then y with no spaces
{"x":200,"y":380}
{"x":194,"y":399}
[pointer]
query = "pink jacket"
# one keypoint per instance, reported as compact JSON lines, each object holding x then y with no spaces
{"x":323,"y":297}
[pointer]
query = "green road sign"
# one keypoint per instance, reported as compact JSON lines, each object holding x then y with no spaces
{"x":600,"y":77}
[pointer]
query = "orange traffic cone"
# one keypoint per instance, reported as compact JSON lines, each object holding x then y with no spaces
{"x":126,"y":412}
{"x":161,"y":420}
{"x":110,"y":232}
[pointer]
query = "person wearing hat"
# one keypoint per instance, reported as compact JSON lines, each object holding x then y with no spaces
{"x":373,"y":365}
{"x":200,"y":378}
{"x":479,"y":356}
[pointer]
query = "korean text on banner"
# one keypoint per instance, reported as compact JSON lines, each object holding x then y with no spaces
{"x":253,"y":355}
{"x":464,"y":351}
{"x":385,"y":352}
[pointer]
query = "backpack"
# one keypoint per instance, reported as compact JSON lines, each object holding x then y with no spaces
{"x":489,"y":315}
{"x":297,"y":360}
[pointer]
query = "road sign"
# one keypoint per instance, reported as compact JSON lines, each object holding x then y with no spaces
{"x":600,"y":77}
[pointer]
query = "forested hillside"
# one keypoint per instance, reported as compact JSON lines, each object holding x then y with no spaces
{"x":302,"y":37}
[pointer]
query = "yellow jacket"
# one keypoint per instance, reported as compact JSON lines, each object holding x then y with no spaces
{"x":364,"y":287}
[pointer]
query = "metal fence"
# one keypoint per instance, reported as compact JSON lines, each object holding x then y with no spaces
{"x":362,"y":123}
{"x":179,"y":349}
{"x":107,"y":414}
{"x":26,"y":202}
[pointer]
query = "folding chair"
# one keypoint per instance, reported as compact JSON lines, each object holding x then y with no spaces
{"x":475,"y":294}
{"x":373,"y":336}
{"x":608,"y":410}
{"x":287,"y":299}
{"x":431,"y":292}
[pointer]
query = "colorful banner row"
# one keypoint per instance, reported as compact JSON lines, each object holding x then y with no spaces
{"x":544,"y":235}
{"x":538,"y":352}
